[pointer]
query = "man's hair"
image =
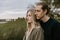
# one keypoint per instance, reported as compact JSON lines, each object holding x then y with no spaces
{"x":44,"y":6}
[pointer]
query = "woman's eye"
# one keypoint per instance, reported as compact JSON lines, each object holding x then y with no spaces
{"x":28,"y":15}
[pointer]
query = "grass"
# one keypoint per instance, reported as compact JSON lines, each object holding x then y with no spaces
{"x":13,"y":30}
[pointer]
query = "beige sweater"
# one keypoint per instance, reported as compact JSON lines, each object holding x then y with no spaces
{"x":36,"y":34}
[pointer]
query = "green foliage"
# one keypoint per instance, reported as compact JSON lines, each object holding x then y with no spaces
{"x":56,"y":3}
{"x":13,"y":30}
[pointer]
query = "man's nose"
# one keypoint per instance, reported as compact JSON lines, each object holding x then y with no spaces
{"x":35,"y":13}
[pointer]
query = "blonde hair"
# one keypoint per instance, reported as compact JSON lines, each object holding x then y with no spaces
{"x":35,"y":23}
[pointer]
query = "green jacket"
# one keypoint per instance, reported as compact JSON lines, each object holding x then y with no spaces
{"x":36,"y":34}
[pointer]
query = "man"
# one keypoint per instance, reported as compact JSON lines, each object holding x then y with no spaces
{"x":51,"y":26}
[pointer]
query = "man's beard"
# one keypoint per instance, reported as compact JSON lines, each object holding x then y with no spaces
{"x":38,"y":20}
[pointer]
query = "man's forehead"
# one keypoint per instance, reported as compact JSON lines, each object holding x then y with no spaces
{"x":38,"y":6}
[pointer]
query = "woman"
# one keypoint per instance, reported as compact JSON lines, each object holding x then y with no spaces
{"x":34,"y":30}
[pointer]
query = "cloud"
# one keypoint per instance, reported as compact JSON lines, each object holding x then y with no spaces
{"x":15,"y":4}
{"x":14,"y":8}
{"x":12,"y":14}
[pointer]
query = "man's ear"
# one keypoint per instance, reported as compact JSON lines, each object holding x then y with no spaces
{"x":45,"y":11}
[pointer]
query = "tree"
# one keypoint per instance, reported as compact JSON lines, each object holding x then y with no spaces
{"x":54,"y":4}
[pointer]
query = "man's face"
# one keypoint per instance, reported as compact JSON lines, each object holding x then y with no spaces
{"x":39,"y":13}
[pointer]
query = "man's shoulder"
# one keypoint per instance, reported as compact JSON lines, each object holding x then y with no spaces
{"x":56,"y":23}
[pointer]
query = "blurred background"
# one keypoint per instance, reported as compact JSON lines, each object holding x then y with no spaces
{"x":12,"y":17}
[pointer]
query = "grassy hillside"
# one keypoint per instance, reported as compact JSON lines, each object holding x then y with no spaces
{"x":13,"y":30}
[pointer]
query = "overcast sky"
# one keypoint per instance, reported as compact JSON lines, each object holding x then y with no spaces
{"x":14,"y":8}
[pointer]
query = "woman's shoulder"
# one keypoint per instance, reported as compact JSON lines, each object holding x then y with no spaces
{"x":37,"y":31}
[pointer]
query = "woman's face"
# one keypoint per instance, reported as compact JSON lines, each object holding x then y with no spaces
{"x":29,"y":17}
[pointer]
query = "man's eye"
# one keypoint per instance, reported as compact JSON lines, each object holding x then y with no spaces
{"x":37,"y":10}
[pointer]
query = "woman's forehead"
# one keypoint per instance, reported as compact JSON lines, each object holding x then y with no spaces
{"x":29,"y":13}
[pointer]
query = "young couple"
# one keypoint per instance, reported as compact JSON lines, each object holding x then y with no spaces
{"x":39,"y":25}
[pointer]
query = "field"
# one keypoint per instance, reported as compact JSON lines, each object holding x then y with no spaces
{"x":13,"y":30}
